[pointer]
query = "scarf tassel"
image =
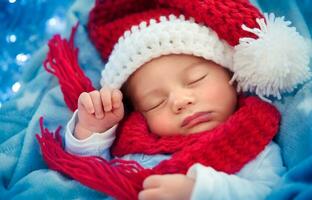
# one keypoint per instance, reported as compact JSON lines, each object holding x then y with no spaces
{"x":62,"y":62}
{"x":118,"y":178}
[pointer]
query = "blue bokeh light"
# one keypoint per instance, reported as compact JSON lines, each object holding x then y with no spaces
{"x":25,"y":26}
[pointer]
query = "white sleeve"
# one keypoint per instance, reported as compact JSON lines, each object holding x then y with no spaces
{"x":97,"y":144}
{"x":254,"y":181}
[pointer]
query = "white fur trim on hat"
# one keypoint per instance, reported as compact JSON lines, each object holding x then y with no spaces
{"x":170,"y":36}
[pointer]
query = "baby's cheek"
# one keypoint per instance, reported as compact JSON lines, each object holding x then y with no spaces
{"x":161,"y":125}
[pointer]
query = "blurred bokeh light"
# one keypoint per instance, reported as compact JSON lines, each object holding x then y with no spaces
{"x":25,"y":26}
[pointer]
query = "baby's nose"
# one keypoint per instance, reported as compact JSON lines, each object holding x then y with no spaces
{"x":182,"y":103}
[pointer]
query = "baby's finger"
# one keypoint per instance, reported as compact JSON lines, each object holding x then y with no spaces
{"x":150,"y":194}
{"x":153,"y":181}
{"x":97,"y":103}
{"x":85,"y":102}
{"x":116,"y":98}
{"x":106,"y":99}
{"x":119,"y":112}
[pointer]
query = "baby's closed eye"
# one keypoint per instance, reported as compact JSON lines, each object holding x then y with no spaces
{"x":196,"y":79}
{"x":155,"y":104}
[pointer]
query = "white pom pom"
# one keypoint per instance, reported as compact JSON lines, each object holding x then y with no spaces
{"x":276,"y":62}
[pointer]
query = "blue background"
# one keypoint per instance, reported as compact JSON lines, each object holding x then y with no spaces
{"x":25,"y":26}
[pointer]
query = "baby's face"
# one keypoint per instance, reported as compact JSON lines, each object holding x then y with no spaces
{"x":182,"y":94}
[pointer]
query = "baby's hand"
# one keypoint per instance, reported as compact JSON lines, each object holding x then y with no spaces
{"x":98,"y":111}
{"x":167,"y":187}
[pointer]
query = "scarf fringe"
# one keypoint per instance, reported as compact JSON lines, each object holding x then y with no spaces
{"x":115,"y":178}
{"x":62,"y":62}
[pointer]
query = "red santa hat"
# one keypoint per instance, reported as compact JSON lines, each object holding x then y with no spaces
{"x":265,"y":54}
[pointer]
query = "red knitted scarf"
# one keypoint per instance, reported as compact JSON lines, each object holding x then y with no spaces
{"x":226,"y":148}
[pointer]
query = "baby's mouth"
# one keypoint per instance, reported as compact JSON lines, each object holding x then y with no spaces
{"x":196,"y":118}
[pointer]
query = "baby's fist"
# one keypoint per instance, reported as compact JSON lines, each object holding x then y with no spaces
{"x":167,"y":187}
{"x":98,"y":111}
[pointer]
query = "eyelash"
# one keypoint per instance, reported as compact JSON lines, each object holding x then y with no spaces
{"x":156,"y":105}
{"x":201,"y":78}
